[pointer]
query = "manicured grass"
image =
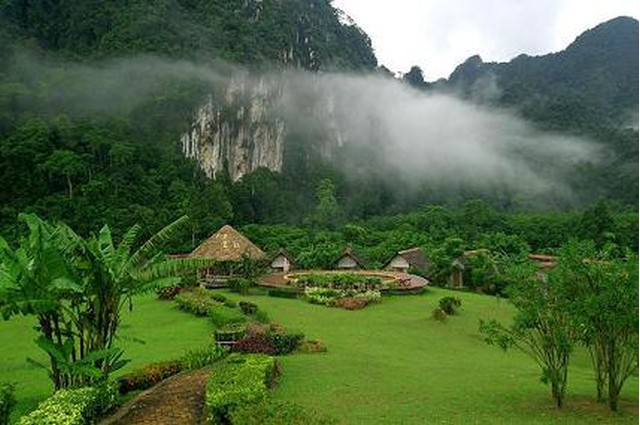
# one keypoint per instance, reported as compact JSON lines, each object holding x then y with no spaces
{"x":166,"y":332}
{"x":392,"y":364}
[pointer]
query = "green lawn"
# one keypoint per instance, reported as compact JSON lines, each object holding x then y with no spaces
{"x":166,"y":332}
{"x":387,"y":364}
{"x":391,"y":364}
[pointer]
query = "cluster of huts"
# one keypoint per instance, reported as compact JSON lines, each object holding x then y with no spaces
{"x":228,"y":248}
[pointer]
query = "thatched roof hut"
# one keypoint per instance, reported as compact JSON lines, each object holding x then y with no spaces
{"x":413,"y":258}
{"x":282,"y":261}
{"x":227,"y":244}
{"x":348,"y":260}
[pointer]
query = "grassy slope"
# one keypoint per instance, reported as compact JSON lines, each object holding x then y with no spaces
{"x":392,"y":364}
{"x":167,"y":334}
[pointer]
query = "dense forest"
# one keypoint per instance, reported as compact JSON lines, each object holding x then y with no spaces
{"x":80,"y":145}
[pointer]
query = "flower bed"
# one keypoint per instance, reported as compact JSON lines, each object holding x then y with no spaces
{"x":349,"y":299}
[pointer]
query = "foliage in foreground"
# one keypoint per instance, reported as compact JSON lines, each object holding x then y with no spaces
{"x":240,"y":380}
{"x":7,"y":401}
{"x":77,"y":289}
{"x":73,"y":406}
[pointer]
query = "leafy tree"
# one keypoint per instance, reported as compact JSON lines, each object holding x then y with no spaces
{"x":327,"y":214}
{"x":66,"y":163}
{"x":603,"y":293}
{"x":415,"y":77}
{"x":542,"y":327}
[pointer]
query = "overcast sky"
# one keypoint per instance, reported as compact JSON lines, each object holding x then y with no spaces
{"x":438,"y":35}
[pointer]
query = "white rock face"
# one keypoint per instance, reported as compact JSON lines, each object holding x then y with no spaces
{"x":239,"y":131}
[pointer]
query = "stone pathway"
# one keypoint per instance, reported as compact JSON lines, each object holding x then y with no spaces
{"x":178,"y":400}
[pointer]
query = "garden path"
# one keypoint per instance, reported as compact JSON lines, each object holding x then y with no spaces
{"x":178,"y":400}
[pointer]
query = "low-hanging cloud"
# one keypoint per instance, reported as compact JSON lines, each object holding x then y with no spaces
{"x":376,"y":124}
{"x":430,"y":137}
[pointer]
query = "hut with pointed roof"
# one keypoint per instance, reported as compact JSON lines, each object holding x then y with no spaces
{"x":413,"y":258}
{"x":228,"y":248}
{"x":282,"y":261}
{"x":349,"y":261}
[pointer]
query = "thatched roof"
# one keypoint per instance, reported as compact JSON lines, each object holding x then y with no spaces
{"x":227,"y":244}
{"x":285,"y":254}
{"x":544,"y":261}
{"x":349,"y":253}
{"x":415,"y":257}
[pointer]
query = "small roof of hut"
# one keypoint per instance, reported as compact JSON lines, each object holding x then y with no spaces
{"x":285,"y":254}
{"x":414,"y":256}
{"x":227,"y":244}
{"x":544,"y":261}
{"x":348,"y":252}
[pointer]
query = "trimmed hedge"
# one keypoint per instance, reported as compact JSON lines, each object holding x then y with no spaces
{"x":239,"y":381}
{"x":221,"y":315}
{"x":73,"y":407}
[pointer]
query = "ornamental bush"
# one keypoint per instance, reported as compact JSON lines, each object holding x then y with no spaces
{"x":282,"y":293}
{"x":221,"y":315}
{"x":169,"y":292}
{"x":200,"y":357}
{"x":7,"y":401}
{"x":148,"y":376}
{"x":449,"y":304}
{"x":73,"y":407}
{"x":248,"y":308}
{"x":240,"y":380}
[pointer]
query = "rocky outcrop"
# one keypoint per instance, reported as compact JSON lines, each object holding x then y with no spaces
{"x":238,"y":131}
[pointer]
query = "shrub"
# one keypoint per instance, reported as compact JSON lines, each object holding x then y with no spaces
{"x":222,"y":315}
{"x":248,"y":308}
{"x":233,"y":332}
{"x":285,"y":343}
{"x":323,"y":296}
{"x":261,"y":316}
{"x":239,"y":381}
{"x":370,"y":296}
{"x":218,"y":297}
{"x":195,"y":302}
{"x":73,"y":407}
{"x":239,"y":284}
{"x":230,"y":303}
{"x":169,"y":292}
{"x":276,"y":413}
{"x":148,"y":376}
{"x":282,"y":293}
{"x":350,"y":303}
{"x":313,"y":346}
{"x":200,"y":357}
{"x":439,"y":314}
{"x":449,"y":304}
{"x":7,"y":401}
{"x":255,"y":343}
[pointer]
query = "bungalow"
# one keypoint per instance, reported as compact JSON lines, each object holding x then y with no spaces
{"x":349,"y":261}
{"x":282,"y":262}
{"x":227,"y":247}
{"x":413,"y":258}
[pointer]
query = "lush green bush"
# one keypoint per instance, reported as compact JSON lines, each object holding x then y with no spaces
{"x":7,"y":401}
{"x":370,"y":296}
{"x":148,"y":376}
{"x":230,"y":303}
{"x":285,"y":343}
{"x":277,"y":413}
{"x":449,"y":304}
{"x":169,"y":292}
{"x":233,"y":332}
{"x":218,"y":297}
{"x":323,"y":296}
{"x":221,"y":315}
{"x":239,"y":284}
{"x":73,"y":407}
{"x":197,"y":302}
{"x":248,"y":308}
{"x":282,"y":293}
{"x":200,"y":357}
{"x":240,"y":380}
{"x":439,"y":314}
